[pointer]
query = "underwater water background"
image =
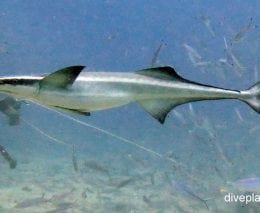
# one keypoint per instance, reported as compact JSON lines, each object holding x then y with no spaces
{"x":211,"y":143}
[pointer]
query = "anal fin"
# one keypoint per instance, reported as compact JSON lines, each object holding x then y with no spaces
{"x":159,"y":108}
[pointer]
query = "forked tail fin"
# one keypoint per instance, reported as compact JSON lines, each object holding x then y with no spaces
{"x":252,"y":97}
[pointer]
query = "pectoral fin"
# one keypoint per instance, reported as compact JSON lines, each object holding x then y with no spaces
{"x":159,"y":108}
{"x":79,"y":112}
{"x":61,"y":79}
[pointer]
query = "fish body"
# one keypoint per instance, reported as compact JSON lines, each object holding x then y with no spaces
{"x":97,"y":167}
{"x":231,"y":60}
{"x":193,"y":54}
{"x":7,"y":157}
{"x":185,"y":188}
{"x":31,"y":202}
{"x":74,"y":159}
{"x":207,"y":22}
{"x":248,"y":184}
{"x":10,"y":106}
{"x":239,"y":36}
{"x":157,"y":90}
{"x":156,"y":54}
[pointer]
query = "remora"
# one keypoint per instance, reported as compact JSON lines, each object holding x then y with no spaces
{"x":157,"y":90}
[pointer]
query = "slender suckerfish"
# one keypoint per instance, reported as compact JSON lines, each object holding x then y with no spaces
{"x":157,"y":90}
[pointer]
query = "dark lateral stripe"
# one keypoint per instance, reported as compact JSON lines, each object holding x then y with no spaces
{"x":15,"y":82}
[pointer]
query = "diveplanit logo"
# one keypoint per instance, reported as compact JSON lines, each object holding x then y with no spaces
{"x":242,"y":198}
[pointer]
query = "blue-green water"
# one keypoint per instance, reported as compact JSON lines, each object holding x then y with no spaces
{"x":201,"y":149}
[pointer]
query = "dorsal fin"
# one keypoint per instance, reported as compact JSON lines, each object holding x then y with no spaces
{"x":166,"y":73}
{"x":61,"y":78}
